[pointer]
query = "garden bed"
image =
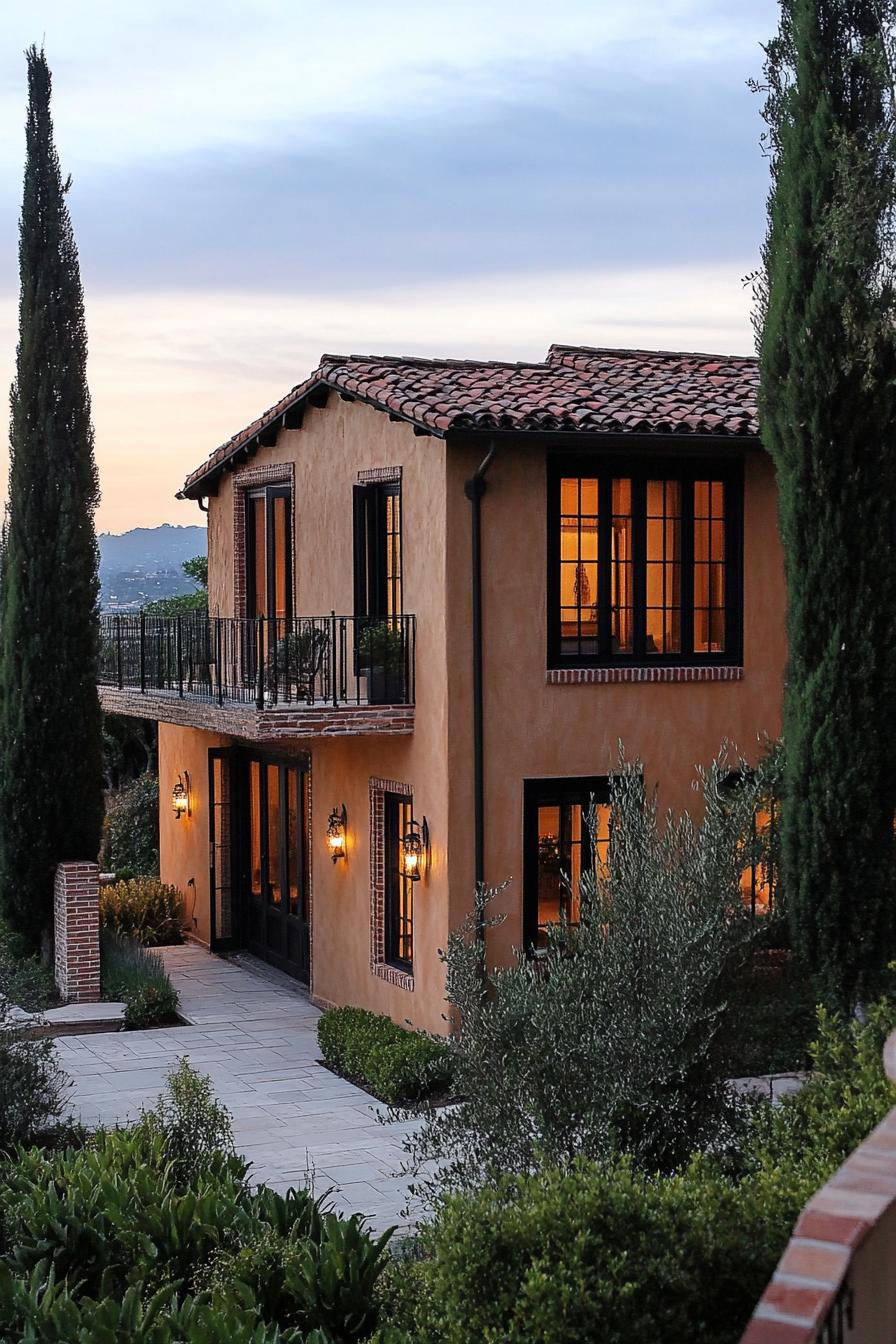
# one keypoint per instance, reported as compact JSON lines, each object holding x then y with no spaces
{"x":396,"y":1066}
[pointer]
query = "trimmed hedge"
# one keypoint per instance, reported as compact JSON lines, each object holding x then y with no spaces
{"x":398,"y":1066}
{"x":143,"y":908}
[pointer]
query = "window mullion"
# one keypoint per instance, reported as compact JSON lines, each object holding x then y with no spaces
{"x":604,"y":553}
{"x":639,"y":569}
{"x":687,"y":567}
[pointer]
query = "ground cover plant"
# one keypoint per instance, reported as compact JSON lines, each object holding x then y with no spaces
{"x":136,"y":977}
{"x":155,"y":1233}
{"x":398,"y":1066}
{"x":143,"y":908}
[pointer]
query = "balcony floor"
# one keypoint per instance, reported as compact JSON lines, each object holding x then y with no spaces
{"x":271,"y":724}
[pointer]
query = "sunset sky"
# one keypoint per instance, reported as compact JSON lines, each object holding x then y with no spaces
{"x":256,"y":183}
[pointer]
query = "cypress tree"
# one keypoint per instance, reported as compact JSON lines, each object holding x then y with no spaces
{"x":51,"y":800}
{"x":826,"y":320}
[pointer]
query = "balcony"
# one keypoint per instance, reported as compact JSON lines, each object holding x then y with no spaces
{"x":261,"y":679}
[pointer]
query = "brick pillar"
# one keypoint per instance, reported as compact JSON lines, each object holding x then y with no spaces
{"x":76,"y":922}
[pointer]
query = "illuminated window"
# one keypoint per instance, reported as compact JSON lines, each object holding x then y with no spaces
{"x":759,"y":877}
{"x":398,"y":811}
{"x":558,"y":849}
{"x":643,"y":563}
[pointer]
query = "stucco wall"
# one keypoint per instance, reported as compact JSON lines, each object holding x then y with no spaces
{"x":535,"y":730}
{"x":532,"y":729}
{"x":183,"y":842}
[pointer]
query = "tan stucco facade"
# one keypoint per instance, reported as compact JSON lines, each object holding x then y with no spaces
{"x":533,"y":729}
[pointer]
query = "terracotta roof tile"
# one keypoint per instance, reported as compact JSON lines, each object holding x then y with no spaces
{"x":576,"y":389}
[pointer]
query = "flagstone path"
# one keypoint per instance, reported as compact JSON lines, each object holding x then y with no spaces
{"x":253,"y":1031}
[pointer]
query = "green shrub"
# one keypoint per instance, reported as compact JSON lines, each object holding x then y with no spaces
{"x":32,"y":1085}
{"x":131,"y":829}
{"x":143,"y":908}
{"x":326,"y":1281}
{"x":194,"y":1127}
{"x":24,"y":979}
{"x":131,"y":975}
{"x":41,"y":1310}
{"x":397,"y":1065}
{"x":597,"y":1251}
{"x":607,"y":1042}
{"x":605,"y":1250}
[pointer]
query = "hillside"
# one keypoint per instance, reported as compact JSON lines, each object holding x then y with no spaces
{"x":145,"y":563}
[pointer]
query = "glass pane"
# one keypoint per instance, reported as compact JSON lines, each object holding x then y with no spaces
{"x":621,"y":572}
{"x":393,"y":554}
{"x":709,"y":567}
{"x":275,"y":895}
{"x":578,"y":566}
{"x":550,"y":884}
{"x":258,"y":578}
{"x":663,"y":588}
{"x":255,"y":828}
{"x":281,"y":559}
{"x":293,"y":846}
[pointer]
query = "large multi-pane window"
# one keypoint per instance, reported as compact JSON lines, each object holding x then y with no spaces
{"x":558,"y":849}
{"x":643,"y":563}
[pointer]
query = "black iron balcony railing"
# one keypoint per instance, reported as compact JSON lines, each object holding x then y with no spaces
{"x":313,"y":660}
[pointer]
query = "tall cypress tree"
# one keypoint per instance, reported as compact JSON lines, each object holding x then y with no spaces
{"x":828,"y":412}
{"x":51,"y":801}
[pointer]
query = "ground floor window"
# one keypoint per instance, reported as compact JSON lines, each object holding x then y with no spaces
{"x":399,"y":889}
{"x":558,"y":849}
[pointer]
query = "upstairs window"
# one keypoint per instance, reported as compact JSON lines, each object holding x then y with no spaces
{"x":378,"y":551}
{"x":643,"y":563}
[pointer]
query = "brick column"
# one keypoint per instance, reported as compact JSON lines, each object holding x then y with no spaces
{"x":76,"y":921}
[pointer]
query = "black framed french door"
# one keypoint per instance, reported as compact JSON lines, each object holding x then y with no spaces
{"x":274,"y":871}
{"x":557,"y":849}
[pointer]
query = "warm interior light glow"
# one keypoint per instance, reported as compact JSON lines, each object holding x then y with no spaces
{"x":336,"y":826}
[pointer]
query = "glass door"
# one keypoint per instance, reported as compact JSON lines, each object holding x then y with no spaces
{"x":276,"y":875}
{"x":268,"y":570}
{"x":558,"y":850}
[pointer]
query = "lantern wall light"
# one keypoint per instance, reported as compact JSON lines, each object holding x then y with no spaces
{"x":180,"y":797}
{"x":336,"y":831}
{"x":415,"y":847}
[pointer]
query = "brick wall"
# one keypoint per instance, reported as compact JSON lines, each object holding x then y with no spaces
{"x":76,"y":921}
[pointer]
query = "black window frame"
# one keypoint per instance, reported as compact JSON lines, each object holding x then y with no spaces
{"x":606,"y":468}
{"x":570,"y":789}
{"x":397,"y":812}
{"x":371,"y":580}
{"x":268,"y":493}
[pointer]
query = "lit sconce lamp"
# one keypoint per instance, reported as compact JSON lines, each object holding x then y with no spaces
{"x":415,"y":847}
{"x":180,"y":797}
{"x":336,"y":827}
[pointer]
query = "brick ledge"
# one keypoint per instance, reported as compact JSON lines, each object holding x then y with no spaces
{"x":401,"y":979}
{"x":603,"y":676}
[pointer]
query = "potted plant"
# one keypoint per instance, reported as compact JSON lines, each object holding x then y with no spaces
{"x":295,"y":661}
{"x":382,"y":655}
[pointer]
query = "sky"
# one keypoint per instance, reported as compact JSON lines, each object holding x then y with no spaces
{"x":257,"y":182}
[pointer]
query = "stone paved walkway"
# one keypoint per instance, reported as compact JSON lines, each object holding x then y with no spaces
{"x":252,"y":1031}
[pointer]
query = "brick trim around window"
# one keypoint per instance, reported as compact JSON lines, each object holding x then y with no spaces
{"x":602,"y":676}
{"x":379,"y":475}
{"x":378,"y":964}
{"x":252,"y":478}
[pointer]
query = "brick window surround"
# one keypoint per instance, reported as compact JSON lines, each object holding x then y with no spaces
{"x":76,"y":928}
{"x":378,"y":964}
{"x":379,"y":475}
{"x":253,"y":478}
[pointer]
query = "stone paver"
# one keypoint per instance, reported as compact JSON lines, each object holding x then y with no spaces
{"x":253,"y":1032}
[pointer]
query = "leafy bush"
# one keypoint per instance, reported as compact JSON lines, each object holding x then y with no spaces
{"x":154,"y":1234}
{"x":143,"y":908}
{"x":131,"y":829}
{"x":24,"y":979}
{"x":325,"y":1281}
{"x":131,"y":975}
{"x":609,"y":1041}
{"x":193,"y":1125}
{"x":604,"y":1250}
{"x":383,"y":645}
{"x":396,"y":1065}
{"x":43,"y":1311}
{"x":32,"y":1084}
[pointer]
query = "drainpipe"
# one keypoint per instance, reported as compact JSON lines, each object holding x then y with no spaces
{"x":474,"y":489}
{"x":203,"y":507}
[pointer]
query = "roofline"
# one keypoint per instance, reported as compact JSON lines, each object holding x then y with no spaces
{"x":318,"y":379}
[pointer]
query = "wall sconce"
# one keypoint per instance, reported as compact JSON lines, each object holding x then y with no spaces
{"x":180,"y":797}
{"x":336,"y":828}
{"x":415,"y":847}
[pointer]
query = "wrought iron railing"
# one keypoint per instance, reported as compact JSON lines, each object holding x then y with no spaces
{"x":265,"y":661}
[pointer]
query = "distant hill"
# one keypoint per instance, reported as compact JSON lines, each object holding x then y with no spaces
{"x":145,"y":563}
